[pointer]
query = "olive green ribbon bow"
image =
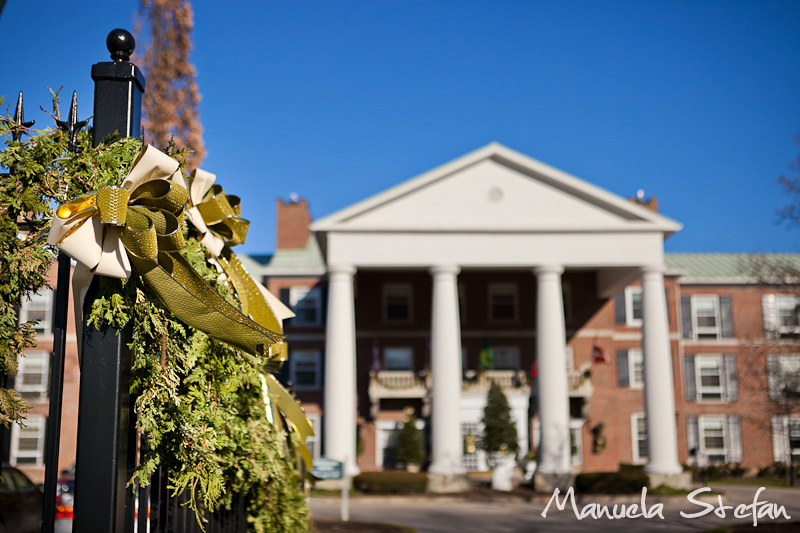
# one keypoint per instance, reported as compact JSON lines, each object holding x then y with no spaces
{"x":139,"y":225}
{"x":217,"y":217}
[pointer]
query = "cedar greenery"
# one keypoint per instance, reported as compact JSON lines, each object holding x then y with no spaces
{"x":199,"y":402}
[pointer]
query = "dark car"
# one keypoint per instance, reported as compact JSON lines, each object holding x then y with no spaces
{"x":65,"y":494}
{"x":20,"y":503}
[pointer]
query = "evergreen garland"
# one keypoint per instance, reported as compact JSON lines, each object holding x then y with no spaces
{"x":198,"y":402}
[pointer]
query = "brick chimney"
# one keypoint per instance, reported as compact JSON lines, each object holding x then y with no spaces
{"x":293,"y":222}
{"x":650,"y":203}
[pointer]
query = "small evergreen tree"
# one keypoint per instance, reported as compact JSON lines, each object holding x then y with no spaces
{"x":409,"y":443}
{"x":500,"y":432}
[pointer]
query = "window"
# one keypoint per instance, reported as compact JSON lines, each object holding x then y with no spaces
{"x":505,"y":358}
{"x":398,"y":359}
{"x":27,"y":443}
{"x":32,"y":374}
{"x":306,"y":303}
{"x":630,"y":368}
{"x":306,"y":368}
{"x":784,"y":376}
{"x":636,"y":368}
{"x":633,"y":306}
{"x":39,"y":306}
{"x":714,"y":439}
{"x":503,"y":302}
{"x":312,"y":442}
{"x":471,"y":433}
{"x":706,"y":317}
{"x":711,"y":378}
{"x":575,"y":438}
{"x":639,"y":433}
{"x":397,"y":302}
{"x":781,"y":315}
{"x":786,"y":439}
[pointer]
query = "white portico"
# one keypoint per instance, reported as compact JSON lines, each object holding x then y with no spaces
{"x":498,"y":209}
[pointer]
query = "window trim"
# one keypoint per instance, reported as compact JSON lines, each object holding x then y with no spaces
{"x":635,"y":355}
{"x":46,"y":324}
{"x":24,"y":361}
{"x":776,"y":373}
{"x":30,"y":422}
{"x":703,"y":389}
{"x":636,"y":438}
{"x":503,"y":289}
{"x":630,"y":292}
{"x":316,"y":424}
{"x":706,"y":331}
{"x":402,"y":289}
{"x":703,"y":423}
{"x":512,"y":350}
{"x":410,"y":351}
{"x":299,"y":293}
{"x":317,"y":360}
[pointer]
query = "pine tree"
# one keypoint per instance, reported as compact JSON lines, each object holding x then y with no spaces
{"x":409,"y":443}
{"x":499,"y":428}
{"x":170,"y":105}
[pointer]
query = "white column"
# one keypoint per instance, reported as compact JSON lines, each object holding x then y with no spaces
{"x":659,"y":394}
{"x":446,"y":373}
{"x":340,"y":369}
{"x":554,"y":447}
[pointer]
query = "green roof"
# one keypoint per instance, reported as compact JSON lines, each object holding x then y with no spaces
{"x":733,"y":267}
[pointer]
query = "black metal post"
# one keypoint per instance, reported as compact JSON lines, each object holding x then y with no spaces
{"x":56,"y":393}
{"x":101,"y":466}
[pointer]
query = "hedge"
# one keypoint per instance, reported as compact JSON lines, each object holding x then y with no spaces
{"x":391,"y":482}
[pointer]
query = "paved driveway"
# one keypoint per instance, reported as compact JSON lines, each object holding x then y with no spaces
{"x":449,"y":515}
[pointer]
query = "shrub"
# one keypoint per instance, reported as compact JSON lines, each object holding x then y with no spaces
{"x":774,"y":471}
{"x":500,"y":432}
{"x":718,"y":471}
{"x":409,"y":444}
{"x":391,"y":482}
{"x":622,"y":482}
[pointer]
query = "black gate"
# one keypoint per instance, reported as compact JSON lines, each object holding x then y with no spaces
{"x":107,"y":447}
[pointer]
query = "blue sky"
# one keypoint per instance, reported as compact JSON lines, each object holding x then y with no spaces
{"x":697,"y":103}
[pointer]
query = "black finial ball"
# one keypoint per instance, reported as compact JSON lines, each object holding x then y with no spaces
{"x":121,"y":44}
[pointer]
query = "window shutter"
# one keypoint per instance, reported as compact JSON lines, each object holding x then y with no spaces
{"x":731,"y":378}
{"x":692,"y":438}
{"x":726,"y":316}
{"x":285,"y":296}
{"x":323,"y":305}
{"x":686,"y":317}
{"x":778,"y":440}
{"x":734,"y":440}
{"x":774,"y":377}
{"x":622,"y":368}
{"x":619,"y":308}
{"x":666,"y":299}
{"x":769,"y":306}
{"x":690,"y":380}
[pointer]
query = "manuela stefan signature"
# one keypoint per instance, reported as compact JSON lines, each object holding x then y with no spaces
{"x":755,"y":510}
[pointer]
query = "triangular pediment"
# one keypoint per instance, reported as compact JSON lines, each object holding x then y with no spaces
{"x":495,"y":189}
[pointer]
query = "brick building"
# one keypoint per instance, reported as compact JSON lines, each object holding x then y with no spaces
{"x":565,"y":283}
{"x":729,"y":330}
